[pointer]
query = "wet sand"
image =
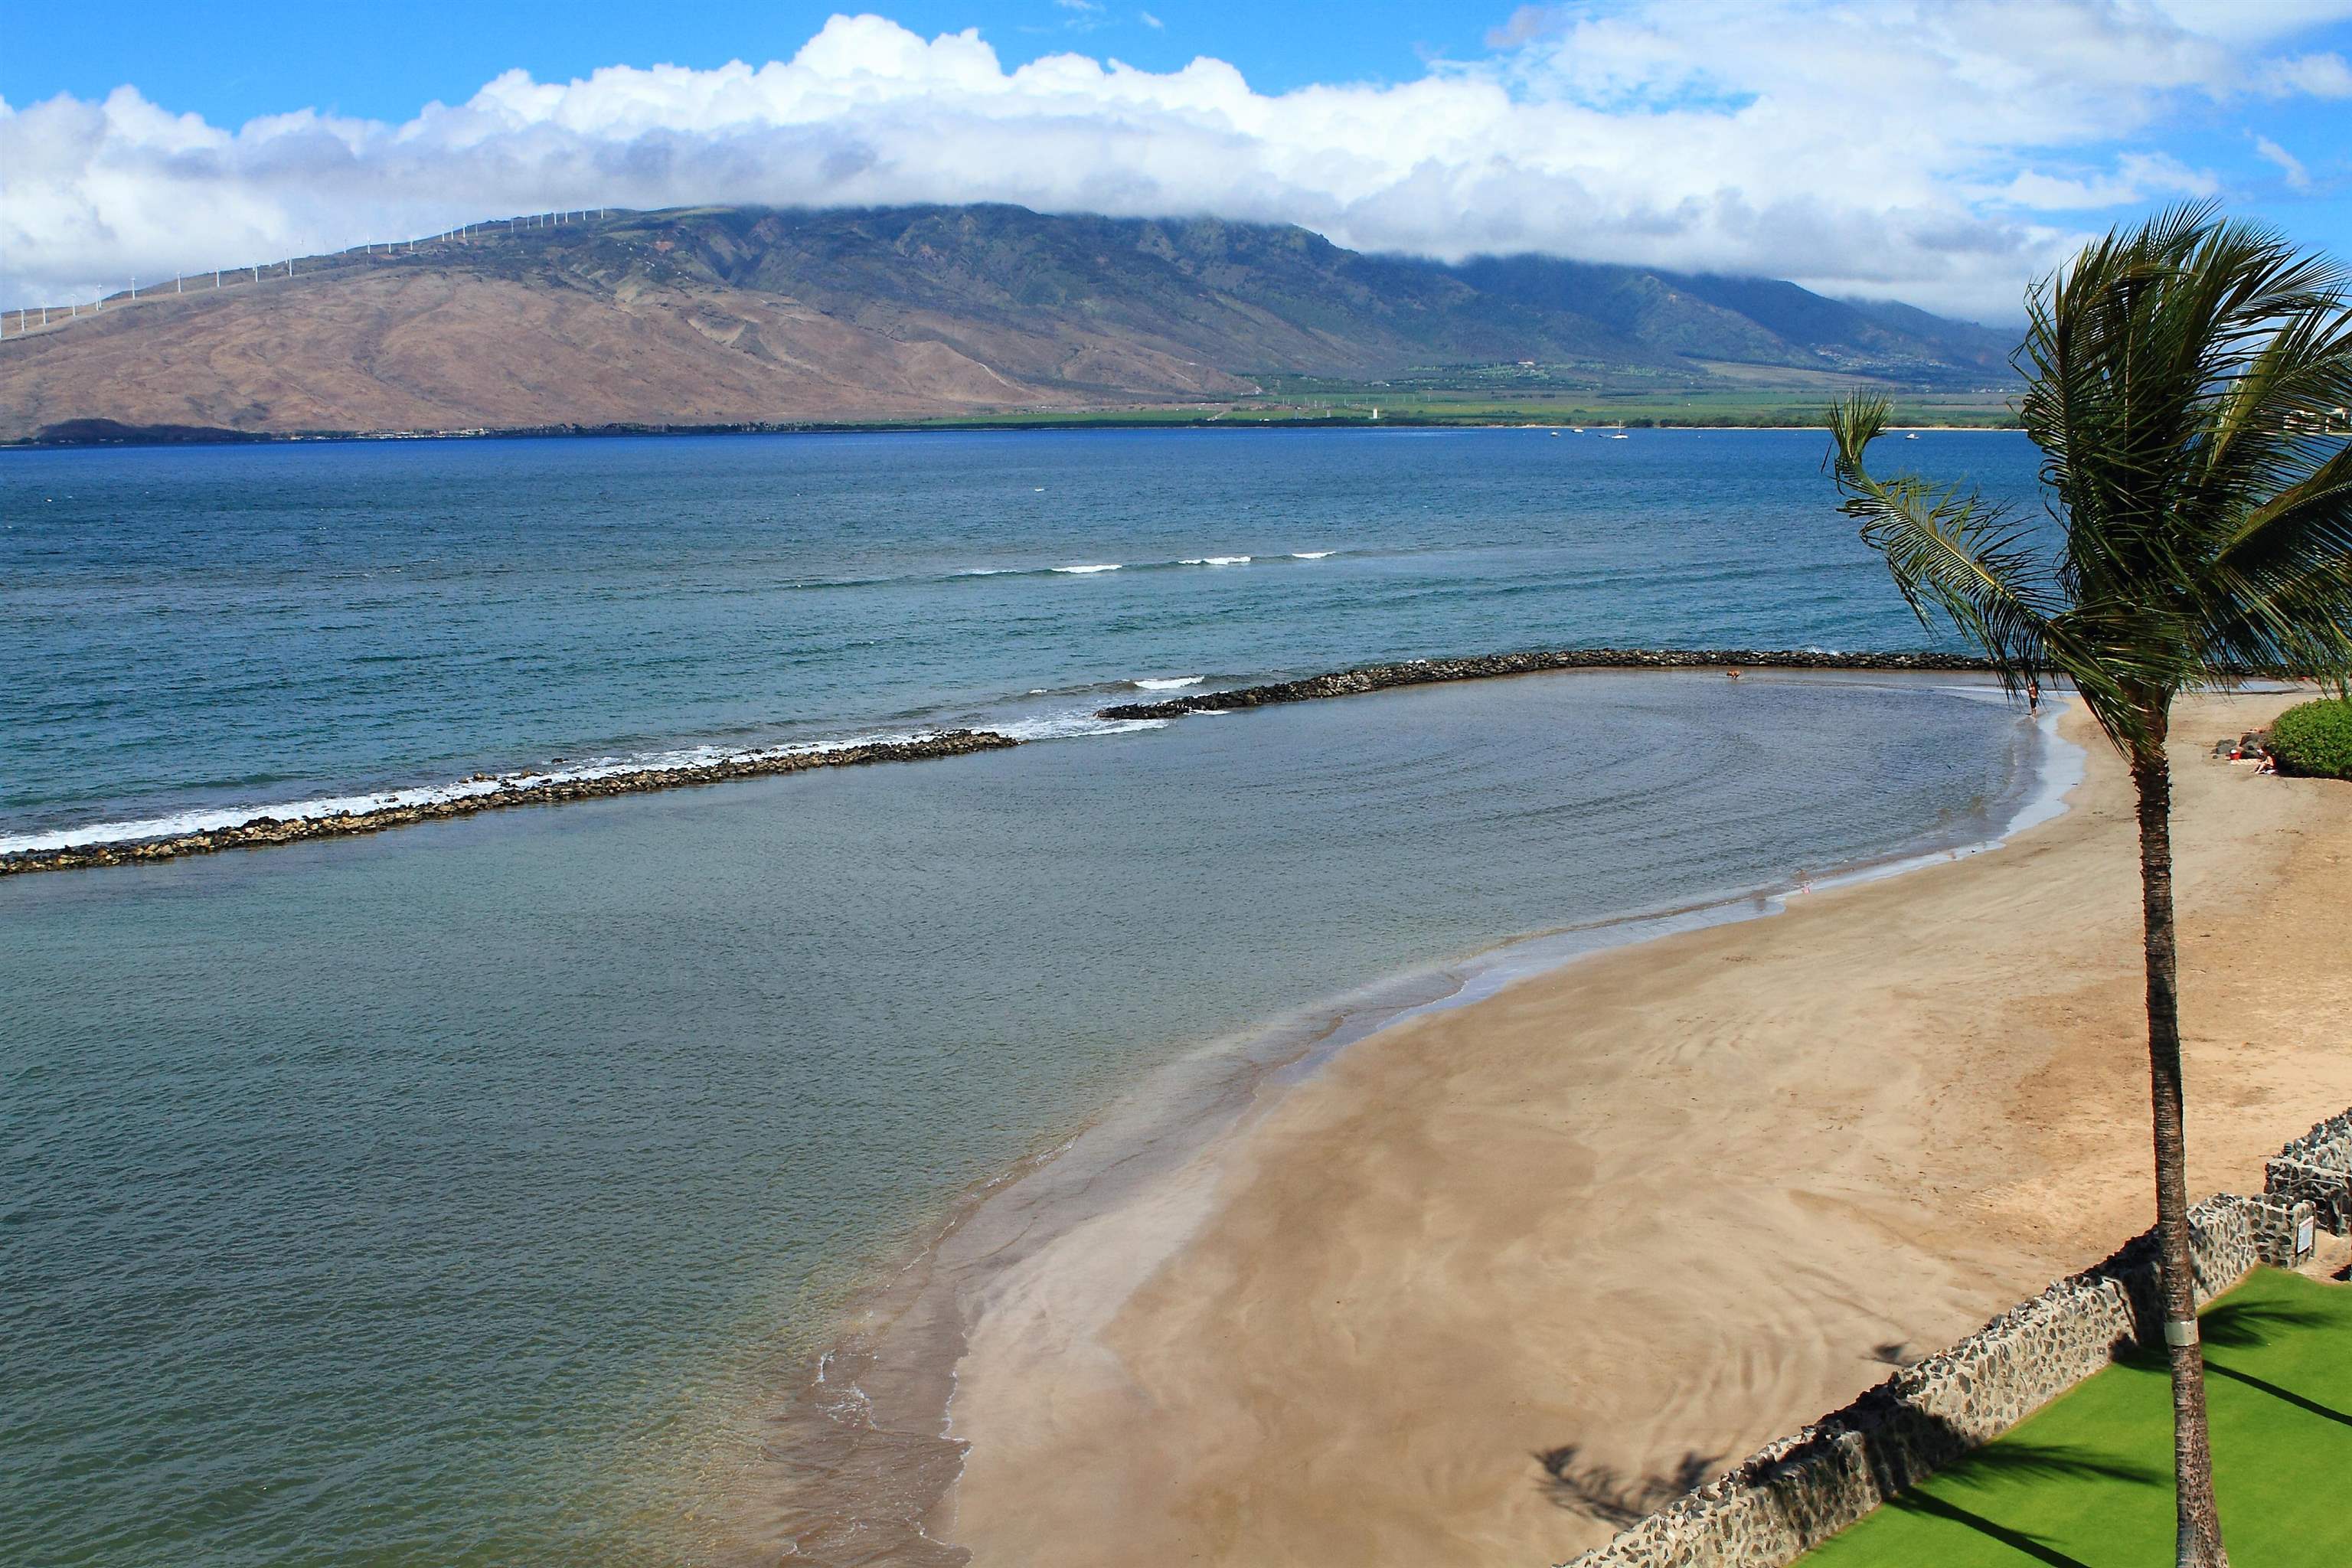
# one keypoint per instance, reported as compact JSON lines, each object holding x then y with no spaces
{"x":1499,"y":1272}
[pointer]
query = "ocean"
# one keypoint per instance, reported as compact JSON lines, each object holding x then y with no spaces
{"x":471,"y":1193}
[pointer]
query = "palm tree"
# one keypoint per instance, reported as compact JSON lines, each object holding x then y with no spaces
{"x":2180,"y":376}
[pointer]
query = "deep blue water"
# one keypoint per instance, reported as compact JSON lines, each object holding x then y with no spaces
{"x":251,"y":625}
{"x":456,"y":1196}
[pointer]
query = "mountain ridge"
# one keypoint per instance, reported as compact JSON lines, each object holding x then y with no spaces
{"x":706,"y":316}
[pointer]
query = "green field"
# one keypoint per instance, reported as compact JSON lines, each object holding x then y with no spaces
{"x":2087,"y":1482}
{"x":1706,"y":397}
{"x":1726,"y":408}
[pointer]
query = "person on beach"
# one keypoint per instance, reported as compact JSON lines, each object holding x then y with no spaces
{"x":2033,"y":699}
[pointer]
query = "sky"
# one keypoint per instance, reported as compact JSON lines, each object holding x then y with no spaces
{"x":1944,"y":154}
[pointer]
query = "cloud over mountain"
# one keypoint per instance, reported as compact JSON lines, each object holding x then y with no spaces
{"x":1924,"y":152}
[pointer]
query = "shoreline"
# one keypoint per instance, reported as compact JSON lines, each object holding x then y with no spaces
{"x":100,"y":432}
{"x":261,"y":826}
{"x":878,"y":1403}
{"x":1070,"y":1372}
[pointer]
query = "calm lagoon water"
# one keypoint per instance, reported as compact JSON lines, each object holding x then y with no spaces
{"x":454,"y":1196}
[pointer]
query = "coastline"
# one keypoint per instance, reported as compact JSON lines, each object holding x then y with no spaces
{"x":1431,"y":1185}
{"x":871,"y":1418}
{"x":110,"y":433}
{"x":209,"y":832}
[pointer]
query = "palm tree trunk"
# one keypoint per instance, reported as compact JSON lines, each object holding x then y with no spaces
{"x":2199,"y":1540}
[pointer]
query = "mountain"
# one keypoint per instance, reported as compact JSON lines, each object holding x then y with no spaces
{"x":715,"y":316}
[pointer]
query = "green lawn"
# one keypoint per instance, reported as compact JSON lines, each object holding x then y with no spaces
{"x":2087,"y":1482}
{"x":1352,"y":404}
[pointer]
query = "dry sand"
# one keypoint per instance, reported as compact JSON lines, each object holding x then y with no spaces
{"x":1658,"y":1206}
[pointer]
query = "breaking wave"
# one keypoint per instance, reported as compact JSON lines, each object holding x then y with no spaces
{"x":1081,"y":569}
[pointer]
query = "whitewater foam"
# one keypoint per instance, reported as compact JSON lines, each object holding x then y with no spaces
{"x":1070,"y":726}
{"x":1081,"y":570}
{"x":1167,"y":683}
{"x":221,"y":818}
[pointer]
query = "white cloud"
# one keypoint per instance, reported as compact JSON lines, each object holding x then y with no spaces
{"x":2321,"y":75}
{"x":2137,"y":177}
{"x":2253,"y":22}
{"x":1150,"y":21}
{"x":1902,"y":149}
{"x":2298,"y":178}
{"x":1524,"y":25}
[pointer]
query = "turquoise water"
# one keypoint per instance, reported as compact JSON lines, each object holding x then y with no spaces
{"x":458,"y":1195}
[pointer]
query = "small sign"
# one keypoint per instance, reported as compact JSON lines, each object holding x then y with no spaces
{"x":2302,"y":1239}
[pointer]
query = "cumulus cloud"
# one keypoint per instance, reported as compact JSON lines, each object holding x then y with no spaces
{"x":2321,"y":75}
{"x":1916,"y":151}
{"x":2298,"y":178}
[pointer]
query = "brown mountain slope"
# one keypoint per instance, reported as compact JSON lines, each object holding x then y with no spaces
{"x":434,"y":348}
{"x":724,"y":315}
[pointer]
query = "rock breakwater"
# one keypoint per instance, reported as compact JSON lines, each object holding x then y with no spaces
{"x":1486,"y":666}
{"x":528,"y":789}
{"x":531,"y":789}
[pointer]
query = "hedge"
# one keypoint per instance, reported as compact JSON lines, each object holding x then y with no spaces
{"x":2315,"y":739}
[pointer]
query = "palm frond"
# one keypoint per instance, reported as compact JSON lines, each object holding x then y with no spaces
{"x":2183,"y":376}
{"x":1952,"y":553}
{"x":2278,"y":593}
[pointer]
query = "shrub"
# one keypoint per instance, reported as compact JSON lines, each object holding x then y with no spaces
{"x":2315,"y":739}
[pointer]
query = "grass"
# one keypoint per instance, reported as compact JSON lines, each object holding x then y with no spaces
{"x":1720,"y":409}
{"x":1551,"y":395}
{"x":2086,"y":1482}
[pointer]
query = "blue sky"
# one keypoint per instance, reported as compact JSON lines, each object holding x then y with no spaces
{"x":1940,"y":153}
{"x":382,"y":60}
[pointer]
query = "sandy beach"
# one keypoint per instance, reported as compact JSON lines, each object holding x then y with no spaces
{"x":1500,"y":1273}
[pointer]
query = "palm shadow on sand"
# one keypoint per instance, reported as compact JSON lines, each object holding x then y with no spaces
{"x":1600,"y":1491}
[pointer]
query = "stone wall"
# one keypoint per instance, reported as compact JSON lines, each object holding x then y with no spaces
{"x":2316,"y":1169}
{"x":1795,"y":1493}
